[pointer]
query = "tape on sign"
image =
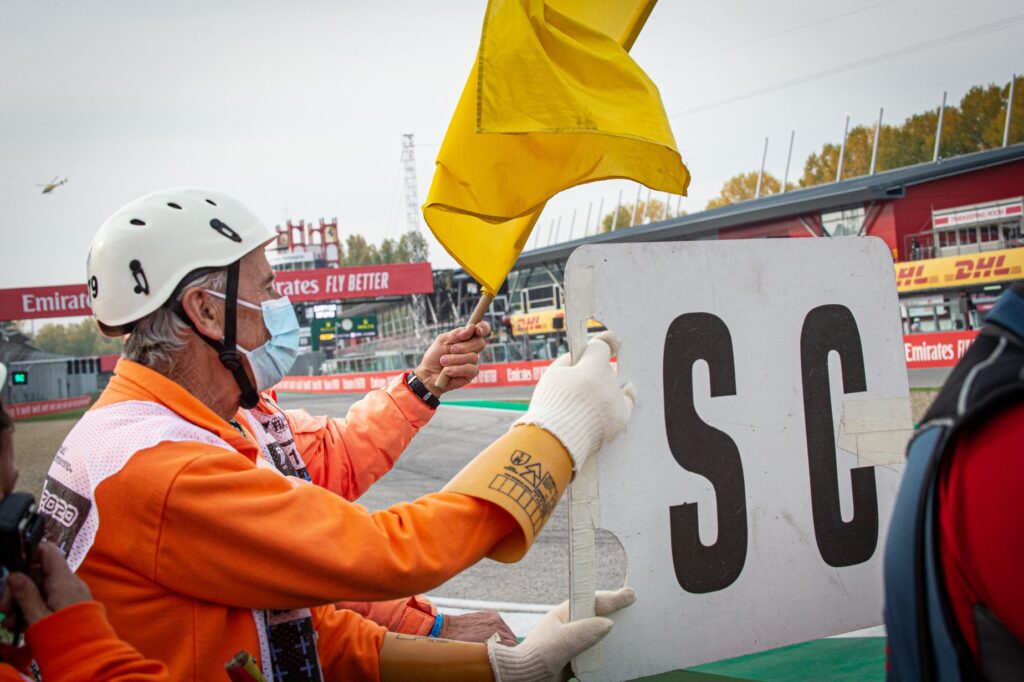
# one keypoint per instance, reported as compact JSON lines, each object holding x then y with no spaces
{"x":877,"y":431}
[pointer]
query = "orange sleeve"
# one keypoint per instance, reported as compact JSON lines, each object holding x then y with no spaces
{"x":273,"y":542}
{"x":77,"y":643}
{"x":347,"y":456}
{"x":349,"y":645}
{"x":413,"y":616}
{"x":9,"y":673}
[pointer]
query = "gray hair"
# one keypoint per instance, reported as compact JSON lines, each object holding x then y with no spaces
{"x":158,"y":339}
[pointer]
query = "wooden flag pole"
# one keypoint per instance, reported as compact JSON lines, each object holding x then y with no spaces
{"x":476,"y":317}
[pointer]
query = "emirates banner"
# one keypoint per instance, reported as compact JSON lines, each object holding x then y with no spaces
{"x":938,"y":349}
{"x":69,"y":300}
{"x":368,"y":281}
{"x":326,"y":284}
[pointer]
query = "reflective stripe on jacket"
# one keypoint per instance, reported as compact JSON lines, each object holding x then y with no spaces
{"x":193,"y":536}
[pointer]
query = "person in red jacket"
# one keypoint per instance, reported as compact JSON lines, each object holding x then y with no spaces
{"x":68,"y":633}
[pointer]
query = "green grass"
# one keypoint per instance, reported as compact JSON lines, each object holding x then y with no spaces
{"x":840,"y":659}
{"x":515,"y":405}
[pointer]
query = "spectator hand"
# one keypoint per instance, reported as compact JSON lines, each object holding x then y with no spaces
{"x":547,"y":650}
{"x":582,"y":405}
{"x":61,"y":586}
{"x":476,"y":627}
{"x":457,"y":354}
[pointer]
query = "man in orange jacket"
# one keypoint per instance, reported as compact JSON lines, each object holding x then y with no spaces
{"x":347,"y":456}
{"x":68,"y":634}
{"x":200,"y":548}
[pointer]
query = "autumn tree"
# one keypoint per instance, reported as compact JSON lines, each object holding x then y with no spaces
{"x":360,"y":252}
{"x":744,"y":186}
{"x":413,"y":248}
{"x":635,"y":214}
{"x":609,"y":222}
{"x":975,"y":125}
{"x":77,"y":338}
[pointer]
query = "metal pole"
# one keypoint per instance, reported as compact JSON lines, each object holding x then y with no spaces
{"x":600,"y":214}
{"x":551,"y":231}
{"x":558,"y":228}
{"x":842,"y":150}
{"x":615,"y":218}
{"x":789,"y":157}
{"x":636,"y":207}
{"x":938,"y":128}
{"x":874,"y":144}
{"x":668,"y":198}
{"x":679,"y":204}
{"x":760,"y":175}
{"x":586,"y":223}
{"x":646,"y":217}
{"x":1009,"y":111}
{"x":572,"y":225}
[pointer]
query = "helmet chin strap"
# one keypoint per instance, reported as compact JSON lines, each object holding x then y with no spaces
{"x":227,"y":350}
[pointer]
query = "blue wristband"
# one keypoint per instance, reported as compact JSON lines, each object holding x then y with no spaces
{"x":436,"y":630}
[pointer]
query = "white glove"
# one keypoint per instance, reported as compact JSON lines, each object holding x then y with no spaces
{"x":547,"y":650}
{"x":582,"y":405}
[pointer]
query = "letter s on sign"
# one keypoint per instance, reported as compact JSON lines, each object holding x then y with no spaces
{"x":706,"y":451}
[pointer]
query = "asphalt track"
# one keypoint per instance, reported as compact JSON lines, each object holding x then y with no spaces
{"x":453,"y":437}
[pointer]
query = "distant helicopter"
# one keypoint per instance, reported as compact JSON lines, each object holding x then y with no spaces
{"x":52,"y":184}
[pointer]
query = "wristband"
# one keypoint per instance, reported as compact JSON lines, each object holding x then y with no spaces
{"x":417,"y":386}
{"x":436,"y":630}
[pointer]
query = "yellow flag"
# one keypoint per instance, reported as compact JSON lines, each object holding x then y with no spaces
{"x":553,"y":101}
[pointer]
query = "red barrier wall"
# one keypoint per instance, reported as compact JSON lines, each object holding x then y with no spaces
{"x":497,"y":374}
{"x":23,"y":410}
{"x":940,"y":349}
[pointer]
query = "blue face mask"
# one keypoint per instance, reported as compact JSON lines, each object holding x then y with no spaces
{"x":271,"y":361}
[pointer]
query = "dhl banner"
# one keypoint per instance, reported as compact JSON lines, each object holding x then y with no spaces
{"x":953,"y":271}
{"x":543,"y":322}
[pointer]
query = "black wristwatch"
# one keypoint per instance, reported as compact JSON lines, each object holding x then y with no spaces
{"x":419,"y":388}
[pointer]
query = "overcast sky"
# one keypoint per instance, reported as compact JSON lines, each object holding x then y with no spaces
{"x":298,"y":107}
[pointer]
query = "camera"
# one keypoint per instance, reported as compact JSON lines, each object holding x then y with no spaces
{"x":21,"y":528}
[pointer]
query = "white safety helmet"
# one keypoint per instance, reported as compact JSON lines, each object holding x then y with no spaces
{"x":142,"y":253}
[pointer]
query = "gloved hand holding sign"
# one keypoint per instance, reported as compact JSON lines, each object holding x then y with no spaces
{"x":547,"y":650}
{"x":582,"y":405}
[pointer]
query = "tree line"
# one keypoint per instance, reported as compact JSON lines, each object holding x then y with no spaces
{"x":974,"y":125}
{"x":411,"y":247}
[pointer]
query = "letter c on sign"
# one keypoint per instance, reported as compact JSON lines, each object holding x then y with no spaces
{"x":704,"y":450}
{"x":841,"y":543}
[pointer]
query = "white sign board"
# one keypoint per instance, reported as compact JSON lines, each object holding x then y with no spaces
{"x":753,"y":487}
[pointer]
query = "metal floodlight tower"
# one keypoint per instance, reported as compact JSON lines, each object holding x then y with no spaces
{"x":412,"y":221}
{"x":412,"y":199}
